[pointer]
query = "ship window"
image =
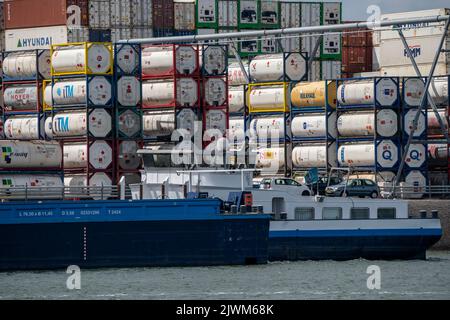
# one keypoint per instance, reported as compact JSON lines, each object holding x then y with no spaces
{"x":360,"y":213}
{"x":386,"y":213}
{"x":304,"y":214}
{"x":332,"y":213}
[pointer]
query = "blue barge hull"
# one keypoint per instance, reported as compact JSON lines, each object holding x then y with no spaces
{"x":147,"y":233}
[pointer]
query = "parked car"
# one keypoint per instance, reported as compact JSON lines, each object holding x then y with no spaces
{"x":284,"y":184}
{"x":354,"y":188}
{"x":320,"y":186}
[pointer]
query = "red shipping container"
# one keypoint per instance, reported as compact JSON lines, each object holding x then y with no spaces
{"x":357,"y":59}
{"x":163,"y":14}
{"x":357,"y":37}
{"x":44,"y":13}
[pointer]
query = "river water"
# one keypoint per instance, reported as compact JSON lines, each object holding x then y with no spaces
{"x":286,"y":280}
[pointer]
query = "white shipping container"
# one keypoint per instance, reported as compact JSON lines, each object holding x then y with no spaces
{"x":442,"y":69}
{"x":184,"y":15}
{"x":314,"y":72}
{"x":331,"y":70}
{"x":331,"y":13}
{"x":43,"y":38}
{"x":141,"y":33}
{"x":100,"y":14}
{"x":270,"y":14}
{"x":311,"y":13}
{"x":290,"y":14}
{"x":269,"y":45}
{"x":142,"y":13}
{"x":228,"y":13}
{"x":206,"y":11}
{"x":120,"y":33}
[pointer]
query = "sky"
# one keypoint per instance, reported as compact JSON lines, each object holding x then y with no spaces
{"x":356,"y":9}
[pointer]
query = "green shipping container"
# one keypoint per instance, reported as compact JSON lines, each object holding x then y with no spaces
{"x":206,"y":14}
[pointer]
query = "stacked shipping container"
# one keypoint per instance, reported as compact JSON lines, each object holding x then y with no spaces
{"x":357,"y":52}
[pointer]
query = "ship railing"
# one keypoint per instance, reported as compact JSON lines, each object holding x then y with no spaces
{"x":416,"y":192}
{"x":28,"y":193}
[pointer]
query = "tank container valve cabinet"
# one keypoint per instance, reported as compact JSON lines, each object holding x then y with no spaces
{"x":81,"y":97}
{"x":128,"y":112}
{"x":368,"y":127}
{"x":313,"y":113}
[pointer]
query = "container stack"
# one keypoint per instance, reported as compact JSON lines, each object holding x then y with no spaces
{"x":81,"y":98}
{"x":2,"y":26}
{"x":438,"y":153}
{"x":27,"y":160}
{"x":128,"y":112}
{"x":357,"y":51}
{"x":368,"y":127}
{"x":313,"y":113}
{"x":170,"y":95}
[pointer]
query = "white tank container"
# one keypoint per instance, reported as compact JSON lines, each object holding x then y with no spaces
{"x":128,"y":91}
{"x":99,"y":180}
{"x":236,"y":99}
{"x":215,"y":120}
{"x":275,"y":67}
{"x":73,"y":59}
{"x":433,"y":123}
{"x":363,"y":155}
{"x":186,"y":120}
{"x":310,"y":156}
{"x":156,"y":93}
{"x":215,"y":92}
{"x":159,"y":123}
{"x":74,"y":92}
{"x":408,"y":120}
{"x":266,"y":99}
{"x":416,"y":156}
{"x":23,"y":128}
{"x":127,"y":59}
{"x":23,"y":64}
{"x":415,"y":183}
{"x":235,"y":75}
{"x":270,"y":158}
{"x":267,"y":128}
{"x":30,"y":154}
{"x":17,"y":180}
{"x":214,"y":60}
{"x":413,"y":90}
{"x":309,"y":126}
{"x":160,"y":60}
{"x":187,"y":92}
{"x":129,"y":123}
{"x":236,"y":130}
{"x":75,"y":156}
{"x":128,"y":157}
{"x":363,"y":93}
{"x":21,"y":98}
{"x":439,"y":91}
{"x":70,"y":124}
{"x":100,"y":155}
{"x":363,"y":124}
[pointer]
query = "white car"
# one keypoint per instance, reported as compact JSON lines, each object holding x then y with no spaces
{"x":284,"y":184}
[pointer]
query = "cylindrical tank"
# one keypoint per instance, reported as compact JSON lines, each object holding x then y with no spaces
{"x":314,"y":94}
{"x":415,"y":182}
{"x":127,"y":59}
{"x":98,"y":180}
{"x":23,"y":64}
{"x":408,"y":120}
{"x":100,"y":155}
{"x":235,"y":75}
{"x":413,"y":88}
{"x":214,"y":60}
{"x":128,"y":157}
{"x":215,"y":91}
{"x":310,"y":156}
{"x":156,"y":93}
{"x":74,"y":92}
{"x":363,"y":155}
{"x":159,"y":123}
{"x":309,"y":126}
{"x":439,"y":91}
{"x":363,"y":93}
{"x":128,"y":91}
{"x":416,"y":156}
{"x":73,"y":59}
{"x":186,"y":120}
{"x":215,"y":120}
{"x":160,"y":60}
{"x":23,"y":128}
{"x":236,"y":99}
{"x":129,"y":123}
{"x":75,"y":156}
{"x":267,"y":98}
{"x":267,"y":128}
{"x":70,"y":124}
{"x":433,"y":124}
{"x":30,"y":154}
{"x":439,"y":152}
{"x":363,"y":124}
{"x":21,"y":98}
{"x":270,"y":158}
{"x":41,"y":182}
{"x":273,"y":67}
{"x":236,"y":130}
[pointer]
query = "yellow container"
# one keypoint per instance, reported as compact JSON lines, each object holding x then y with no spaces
{"x":82,"y":58}
{"x":268,"y":97}
{"x":314,"y":94}
{"x":45,"y":98}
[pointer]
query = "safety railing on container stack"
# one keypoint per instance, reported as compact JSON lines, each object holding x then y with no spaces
{"x":80,"y":98}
